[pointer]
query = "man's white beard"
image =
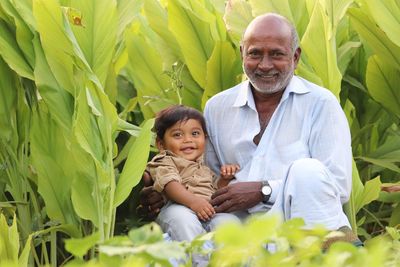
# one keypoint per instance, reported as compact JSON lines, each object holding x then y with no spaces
{"x":280,"y":85}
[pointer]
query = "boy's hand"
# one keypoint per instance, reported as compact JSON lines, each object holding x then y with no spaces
{"x":228,"y":171}
{"x":202,"y":208}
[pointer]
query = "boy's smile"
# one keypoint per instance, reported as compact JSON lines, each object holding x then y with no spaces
{"x":185,"y":139}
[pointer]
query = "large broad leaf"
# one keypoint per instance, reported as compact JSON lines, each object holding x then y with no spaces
{"x":24,"y":9}
{"x":371,"y":191}
{"x":12,"y":54}
{"x":9,"y":240}
{"x":322,"y":57}
{"x":383,"y":84}
{"x":300,"y":15}
{"x":147,"y":74}
{"x":237,"y":16}
{"x":357,"y":188}
{"x":375,"y":38}
{"x":52,"y":161}
{"x":282,"y":7}
{"x":97,"y":33}
{"x":127,"y":11}
{"x":385,"y":163}
{"x":8,"y":101}
{"x":59,"y":101}
{"x":387,"y":15}
{"x":79,"y":246}
{"x":193,"y":36}
{"x":222,"y":69}
{"x":135,"y":164}
{"x":336,"y":9}
{"x":57,"y":47}
{"x":158,"y":20}
{"x":23,"y":33}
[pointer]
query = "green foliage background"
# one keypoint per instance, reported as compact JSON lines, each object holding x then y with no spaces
{"x":80,"y":82}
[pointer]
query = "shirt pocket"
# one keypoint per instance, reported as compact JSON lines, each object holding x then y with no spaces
{"x":293,"y":151}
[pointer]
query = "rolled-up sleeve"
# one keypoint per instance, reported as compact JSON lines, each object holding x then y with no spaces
{"x":163,"y":172}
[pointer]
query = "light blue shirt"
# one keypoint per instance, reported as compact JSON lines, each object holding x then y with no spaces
{"x":307,"y":123}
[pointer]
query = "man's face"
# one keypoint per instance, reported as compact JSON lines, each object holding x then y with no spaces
{"x":268,"y":60}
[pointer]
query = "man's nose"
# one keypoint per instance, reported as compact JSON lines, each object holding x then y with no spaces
{"x":265,"y":63}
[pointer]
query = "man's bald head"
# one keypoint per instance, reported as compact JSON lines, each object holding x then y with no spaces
{"x":277,"y":21}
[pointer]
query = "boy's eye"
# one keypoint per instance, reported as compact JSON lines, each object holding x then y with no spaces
{"x":177,"y":134}
{"x":196,"y":133}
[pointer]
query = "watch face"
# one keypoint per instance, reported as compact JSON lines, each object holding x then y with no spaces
{"x":266,"y":190}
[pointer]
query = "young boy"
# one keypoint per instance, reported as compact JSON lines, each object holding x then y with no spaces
{"x":179,"y":173}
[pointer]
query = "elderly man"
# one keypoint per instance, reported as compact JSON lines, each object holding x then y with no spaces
{"x":289,"y":136}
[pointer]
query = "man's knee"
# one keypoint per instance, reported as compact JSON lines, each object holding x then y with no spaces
{"x":309,"y":173}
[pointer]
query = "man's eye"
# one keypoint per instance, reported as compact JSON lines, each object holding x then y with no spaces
{"x":277,"y":54}
{"x":254,"y":54}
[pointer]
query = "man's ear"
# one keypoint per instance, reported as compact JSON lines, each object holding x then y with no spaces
{"x":159,"y":144}
{"x":296,"y":56}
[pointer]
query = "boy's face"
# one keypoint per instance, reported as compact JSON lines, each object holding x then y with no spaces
{"x":185,"y":139}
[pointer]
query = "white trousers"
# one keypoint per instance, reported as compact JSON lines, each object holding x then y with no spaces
{"x":310,"y":193}
{"x":181,"y":223}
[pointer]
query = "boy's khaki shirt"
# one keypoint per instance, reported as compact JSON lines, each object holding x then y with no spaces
{"x":194,"y":175}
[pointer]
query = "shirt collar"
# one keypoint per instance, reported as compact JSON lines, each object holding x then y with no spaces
{"x":245,"y":96}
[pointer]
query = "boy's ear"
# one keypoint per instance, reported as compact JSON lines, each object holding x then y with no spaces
{"x":159,"y":144}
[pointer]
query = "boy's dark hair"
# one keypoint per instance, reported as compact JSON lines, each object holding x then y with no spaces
{"x":171,"y":115}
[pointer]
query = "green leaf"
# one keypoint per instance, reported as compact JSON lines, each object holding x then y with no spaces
{"x":395,"y":217}
{"x":9,"y":240}
{"x":281,"y":7}
{"x":12,"y":54}
{"x":383,"y":81}
{"x":322,"y":57}
{"x":8,"y":102}
{"x":127,"y":11}
{"x":147,"y":234}
{"x":146,"y":71}
{"x":371,"y":192}
{"x":385,"y":163}
{"x":98,"y":33}
{"x":23,"y":33}
{"x":59,"y":101}
{"x":387,"y":16}
{"x":80,"y":246}
{"x":51,"y":158}
{"x":135,"y":164}
{"x":357,"y":188}
{"x":336,"y":9}
{"x":24,"y":257}
{"x":158,"y":20}
{"x":222,"y":70}
{"x":193,"y":36}
{"x":237,"y":16}
{"x":375,"y":38}
{"x":56,"y":45}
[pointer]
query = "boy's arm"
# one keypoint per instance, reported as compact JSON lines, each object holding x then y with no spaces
{"x":179,"y":194}
{"x":222,"y":182}
{"x":227,"y":173}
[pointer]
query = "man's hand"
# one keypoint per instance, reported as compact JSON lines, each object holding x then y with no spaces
{"x":202,"y":208}
{"x":150,"y":200}
{"x":237,"y":196}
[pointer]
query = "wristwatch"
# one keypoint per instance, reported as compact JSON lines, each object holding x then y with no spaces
{"x":266,"y":191}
